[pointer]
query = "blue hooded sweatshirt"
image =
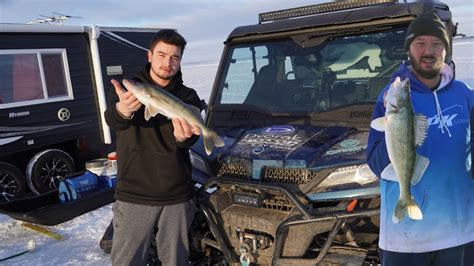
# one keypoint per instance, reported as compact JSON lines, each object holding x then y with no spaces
{"x":445,"y":192}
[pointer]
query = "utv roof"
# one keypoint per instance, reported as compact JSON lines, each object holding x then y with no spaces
{"x":337,"y":13}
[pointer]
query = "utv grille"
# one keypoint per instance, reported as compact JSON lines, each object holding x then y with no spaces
{"x":287,"y":175}
{"x":298,"y":176}
{"x":277,"y":203}
{"x":234,"y":169}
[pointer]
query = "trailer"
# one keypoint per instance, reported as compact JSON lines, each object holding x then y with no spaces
{"x":54,"y":85}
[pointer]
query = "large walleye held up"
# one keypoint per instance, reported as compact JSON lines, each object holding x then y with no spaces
{"x":404,"y":132}
{"x":159,"y":101}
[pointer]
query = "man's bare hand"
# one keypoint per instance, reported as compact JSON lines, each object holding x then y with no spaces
{"x":128,"y":103}
{"x":183,"y":130}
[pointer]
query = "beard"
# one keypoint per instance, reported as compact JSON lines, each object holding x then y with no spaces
{"x":427,"y":73}
{"x":164,"y":75}
{"x":167,"y":77}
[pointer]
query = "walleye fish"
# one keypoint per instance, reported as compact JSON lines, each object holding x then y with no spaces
{"x":159,"y":101}
{"x":404,"y":132}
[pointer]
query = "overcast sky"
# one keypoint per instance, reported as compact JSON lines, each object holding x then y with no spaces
{"x":204,"y":23}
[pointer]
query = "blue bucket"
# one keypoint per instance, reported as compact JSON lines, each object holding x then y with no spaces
{"x":72,"y":188}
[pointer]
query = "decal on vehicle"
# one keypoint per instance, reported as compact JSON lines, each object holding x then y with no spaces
{"x":18,"y":114}
{"x":258,"y":149}
{"x":275,"y":141}
{"x":280,"y":129}
{"x":361,"y":114}
{"x":347,"y":146}
{"x":11,"y":134}
{"x":349,"y":143}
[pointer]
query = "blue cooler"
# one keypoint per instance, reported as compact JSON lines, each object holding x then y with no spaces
{"x":109,"y":176}
{"x":72,"y":188}
{"x":107,"y":181}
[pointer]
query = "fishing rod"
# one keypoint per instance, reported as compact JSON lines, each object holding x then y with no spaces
{"x":30,"y":248}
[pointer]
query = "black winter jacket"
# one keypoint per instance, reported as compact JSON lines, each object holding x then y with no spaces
{"x":153,"y":169}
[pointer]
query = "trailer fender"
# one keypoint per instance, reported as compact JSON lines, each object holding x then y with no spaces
{"x":47,"y":168}
{"x":12,"y":182}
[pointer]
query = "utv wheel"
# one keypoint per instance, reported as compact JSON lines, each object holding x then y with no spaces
{"x":12,"y":182}
{"x":47,"y":168}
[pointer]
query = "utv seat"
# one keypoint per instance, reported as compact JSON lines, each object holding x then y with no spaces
{"x":262,"y":92}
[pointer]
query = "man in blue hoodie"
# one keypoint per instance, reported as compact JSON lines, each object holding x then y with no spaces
{"x":445,"y":192}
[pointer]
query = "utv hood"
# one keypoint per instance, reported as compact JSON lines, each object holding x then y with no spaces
{"x":291,"y":146}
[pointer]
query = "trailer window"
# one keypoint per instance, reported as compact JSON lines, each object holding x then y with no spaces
{"x":33,"y":76}
{"x":54,"y":75}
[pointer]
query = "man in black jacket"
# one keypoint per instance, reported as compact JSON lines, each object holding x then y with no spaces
{"x":154,"y":185}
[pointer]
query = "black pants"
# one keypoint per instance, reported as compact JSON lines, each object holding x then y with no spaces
{"x":445,"y":257}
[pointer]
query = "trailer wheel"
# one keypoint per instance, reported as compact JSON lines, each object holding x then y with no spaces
{"x":46,"y":169}
{"x":12,"y":182}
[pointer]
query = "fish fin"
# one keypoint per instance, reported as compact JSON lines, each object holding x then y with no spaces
{"x":147,"y":114}
{"x":421,"y":164}
{"x":211,"y":139}
{"x":407,"y":208}
{"x":150,"y":112}
{"x":389,"y":173}
{"x":421,"y":128}
{"x":378,"y":124}
{"x":414,"y":211}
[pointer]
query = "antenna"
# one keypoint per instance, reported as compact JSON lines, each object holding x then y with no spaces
{"x":55,"y":17}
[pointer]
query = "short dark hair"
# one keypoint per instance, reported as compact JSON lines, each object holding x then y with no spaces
{"x":169,"y":37}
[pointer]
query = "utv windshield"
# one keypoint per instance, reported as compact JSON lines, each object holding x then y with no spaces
{"x":310,"y":74}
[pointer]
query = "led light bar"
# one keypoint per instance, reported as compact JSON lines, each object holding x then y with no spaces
{"x":316,"y":9}
{"x":246,"y":199}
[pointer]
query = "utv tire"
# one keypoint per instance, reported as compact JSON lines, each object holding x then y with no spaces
{"x":47,"y":168}
{"x":12,"y":182}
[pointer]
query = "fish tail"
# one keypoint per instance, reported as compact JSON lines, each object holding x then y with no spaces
{"x":211,"y":140}
{"x":407,"y":207}
{"x":414,"y":210}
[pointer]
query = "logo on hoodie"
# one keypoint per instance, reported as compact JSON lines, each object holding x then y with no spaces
{"x":448,"y":119}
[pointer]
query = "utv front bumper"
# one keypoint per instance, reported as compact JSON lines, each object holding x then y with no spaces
{"x":275,"y":224}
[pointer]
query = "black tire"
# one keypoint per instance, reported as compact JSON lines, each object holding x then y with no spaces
{"x":105,"y":242}
{"x":12,"y":182}
{"x":47,"y":168}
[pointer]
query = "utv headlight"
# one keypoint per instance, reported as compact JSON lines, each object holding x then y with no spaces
{"x":199,"y":163}
{"x":360,"y":174}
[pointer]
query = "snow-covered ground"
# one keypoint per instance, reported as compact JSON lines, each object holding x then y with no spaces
{"x":79,"y":246}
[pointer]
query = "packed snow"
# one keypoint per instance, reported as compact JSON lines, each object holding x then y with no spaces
{"x":79,"y":244}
